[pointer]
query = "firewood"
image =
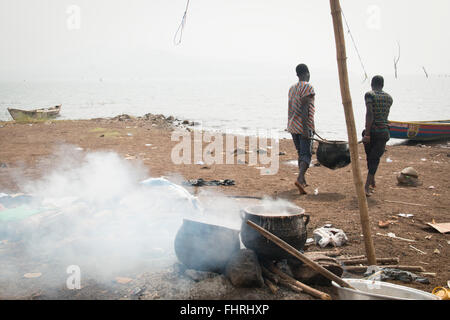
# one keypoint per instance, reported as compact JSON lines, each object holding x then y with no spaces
{"x":307,"y":289}
{"x":269,"y":275}
{"x":272,"y":287}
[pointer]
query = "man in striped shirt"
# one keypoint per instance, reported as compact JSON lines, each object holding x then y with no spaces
{"x":301,"y":122}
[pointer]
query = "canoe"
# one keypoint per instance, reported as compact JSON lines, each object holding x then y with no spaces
{"x":420,"y":130}
{"x":38,"y":114}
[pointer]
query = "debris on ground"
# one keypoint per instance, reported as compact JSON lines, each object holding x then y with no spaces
{"x":201,"y":183}
{"x":329,"y":236}
{"x":409,"y":177}
{"x":385,"y":274}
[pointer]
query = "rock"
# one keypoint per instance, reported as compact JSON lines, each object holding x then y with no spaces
{"x":244,"y":270}
{"x":198,"y":276}
{"x":410,"y":172}
{"x":282,"y":154}
{"x":185,"y":122}
{"x":407,"y":180}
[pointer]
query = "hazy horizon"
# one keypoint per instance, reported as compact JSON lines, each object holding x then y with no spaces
{"x":80,"y":39}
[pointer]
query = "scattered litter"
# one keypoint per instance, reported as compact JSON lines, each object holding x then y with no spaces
{"x":325,"y":236}
{"x":32,"y":275}
{"x":3,"y":165}
{"x":122,"y":280}
{"x":393,"y":236}
{"x":282,"y":154}
{"x":201,"y":163}
{"x":148,"y":145}
{"x":440,"y":227}
{"x":388,"y":160}
{"x":316,"y":192}
{"x":309,"y":241}
{"x":423,"y":159}
{"x":437,"y":251}
{"x":405,"y":215}
{"x":428,"y":237}
{"x":418,"y":250}
{"x":131,"y":158}
{"x":385,"y":274}
{"x":79,"y":149}
{"x":431,"y":187}
{"x":201,"y":183}
{"x":129,"y":134}
{"x":385,"y":224}
{"x":442,"y":292}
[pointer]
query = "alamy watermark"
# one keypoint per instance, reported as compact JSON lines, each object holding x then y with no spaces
{"x":73,"y":282}
{"x":374,"y":17}
{"x":208,"y":148}
{"x":73,"y":21}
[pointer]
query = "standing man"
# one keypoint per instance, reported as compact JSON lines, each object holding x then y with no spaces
{"x":301,"y":122}
{"x":376,"y":134}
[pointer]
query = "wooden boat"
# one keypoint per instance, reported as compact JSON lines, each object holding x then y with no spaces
{"x":420,"y":130}
{"x":38,"y":114}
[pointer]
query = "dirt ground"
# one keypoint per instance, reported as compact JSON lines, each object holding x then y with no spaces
{"x":27,"y":149}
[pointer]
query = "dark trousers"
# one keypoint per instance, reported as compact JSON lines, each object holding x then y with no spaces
{"x":304,"y":148}
{"x":375,"y":150}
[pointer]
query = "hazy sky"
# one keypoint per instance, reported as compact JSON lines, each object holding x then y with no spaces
{"x":134,"y":38}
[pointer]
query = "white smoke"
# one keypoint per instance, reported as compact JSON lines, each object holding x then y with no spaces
{"x":102,"y":213}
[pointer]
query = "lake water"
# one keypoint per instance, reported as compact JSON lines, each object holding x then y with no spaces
{"x":237,"y":105}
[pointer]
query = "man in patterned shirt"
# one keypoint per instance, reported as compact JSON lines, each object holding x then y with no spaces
{"x":376,"y":134}
{"x":301,"y":122}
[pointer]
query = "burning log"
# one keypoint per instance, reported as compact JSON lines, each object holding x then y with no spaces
{"x":296,"y":285}
{"x":272,"y":287}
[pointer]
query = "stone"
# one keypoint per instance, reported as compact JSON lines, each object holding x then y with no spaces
{"x":244,"y":270}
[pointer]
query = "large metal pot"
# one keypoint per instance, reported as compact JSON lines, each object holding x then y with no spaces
{"x":205,"y":247}
{"x":289,"y":225}
{"x":333,"y":154}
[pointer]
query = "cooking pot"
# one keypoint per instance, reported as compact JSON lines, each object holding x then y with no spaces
{"x":333,"y":154}
{"x":289,"y":225}
{"x":205,"y":247}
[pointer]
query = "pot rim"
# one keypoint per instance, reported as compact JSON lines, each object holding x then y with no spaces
{"x":215,"y":226}
{"x":302,"y":212}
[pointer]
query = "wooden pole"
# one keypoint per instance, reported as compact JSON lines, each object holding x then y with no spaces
{"x":300,"y":256}
{"x":336,"y":12}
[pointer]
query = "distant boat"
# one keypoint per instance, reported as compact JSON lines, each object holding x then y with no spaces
{"x":420,"y":130}
{"x":37,"y":114}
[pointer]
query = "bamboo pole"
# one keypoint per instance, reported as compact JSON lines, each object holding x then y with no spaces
{"x":336,"y":13}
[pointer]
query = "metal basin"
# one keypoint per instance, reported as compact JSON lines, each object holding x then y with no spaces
{"x":376,"y":290}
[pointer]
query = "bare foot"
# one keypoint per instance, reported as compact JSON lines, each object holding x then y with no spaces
{"x":300,"y":188}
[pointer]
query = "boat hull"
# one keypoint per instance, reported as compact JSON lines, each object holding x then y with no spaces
{"x":38,"y":114}
{"x":420,"y":131}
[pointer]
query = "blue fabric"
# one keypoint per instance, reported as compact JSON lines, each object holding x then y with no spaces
{"x":304,"y":148}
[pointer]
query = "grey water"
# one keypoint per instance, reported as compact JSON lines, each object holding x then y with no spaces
{"x":241,"y":105}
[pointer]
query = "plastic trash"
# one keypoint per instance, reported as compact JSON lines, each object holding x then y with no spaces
{"x":176,"y":189}
{"x":384,"y":274}
{"x":325,"y":236}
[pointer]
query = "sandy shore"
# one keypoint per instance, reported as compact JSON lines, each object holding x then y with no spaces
{"x":27,"y":149}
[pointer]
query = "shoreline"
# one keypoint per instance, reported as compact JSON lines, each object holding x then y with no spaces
{"x":29,"y":151}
